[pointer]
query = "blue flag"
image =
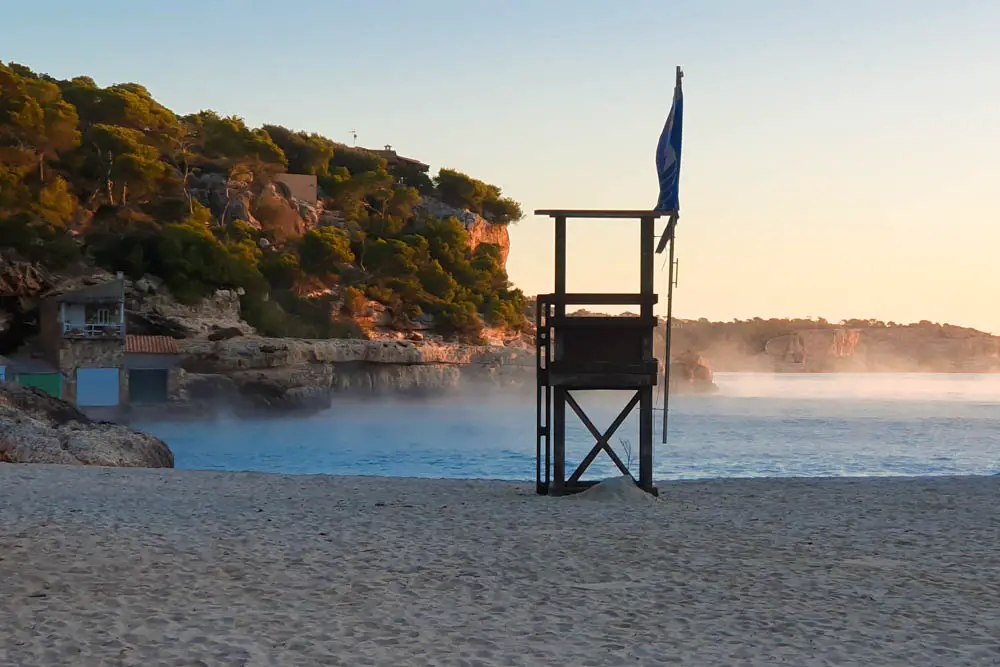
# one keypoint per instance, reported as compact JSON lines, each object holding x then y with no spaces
{"x":668,"y":154}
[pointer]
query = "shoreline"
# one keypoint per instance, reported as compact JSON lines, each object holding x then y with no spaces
{"x":660,"y":483}
{"x":167,"y":567}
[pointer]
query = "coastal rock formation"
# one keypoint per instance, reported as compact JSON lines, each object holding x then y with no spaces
{"x":271,"y":207}
{"x":37,"y":428}
{"x":288,"y":372}
{"x":250,"y":353}
{"x":151,"y":310}
{"x":691,"y":373}
{"x":813,"y":351}
{"x":479,"y":228}
{"x":799,"y":345}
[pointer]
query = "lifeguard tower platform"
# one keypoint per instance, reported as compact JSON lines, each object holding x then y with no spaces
{"x":587,"y":353}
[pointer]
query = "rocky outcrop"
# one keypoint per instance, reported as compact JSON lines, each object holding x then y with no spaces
{"x":152,"y":311}
{"x":37,"y":428}
{"x":481,"y":231}
{"x":691,"y":373}
{"x":813,"y":351}
{"x":22,"y":281}
{"x":223,"y":196}
{"x":276,"y":212}
{"x":280,"y":372}
{"x":268,"y":206}
{"x":256,"y":353}
{"x":479,"y":228}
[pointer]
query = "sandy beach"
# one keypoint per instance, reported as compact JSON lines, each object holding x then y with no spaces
{"x":168,"y":567}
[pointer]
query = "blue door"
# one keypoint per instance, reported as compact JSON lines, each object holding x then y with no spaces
{"x":96,"y":387}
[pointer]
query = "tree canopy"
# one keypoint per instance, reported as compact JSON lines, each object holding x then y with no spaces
{"x":108,"y":175}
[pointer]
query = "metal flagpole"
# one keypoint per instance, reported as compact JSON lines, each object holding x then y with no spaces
{"x":672,"y":224}
{"x":668,"y":164}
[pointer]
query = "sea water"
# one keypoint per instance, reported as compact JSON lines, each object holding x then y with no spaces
{"x":757,"y":425}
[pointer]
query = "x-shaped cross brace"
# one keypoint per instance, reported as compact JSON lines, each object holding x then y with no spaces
{"x":602,"y":440}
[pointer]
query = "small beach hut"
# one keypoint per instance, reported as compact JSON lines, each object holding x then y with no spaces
{"x":152,"y":364}
{"x":33,"y":372}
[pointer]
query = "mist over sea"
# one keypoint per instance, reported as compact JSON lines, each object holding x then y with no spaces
{"x":757,"y":425}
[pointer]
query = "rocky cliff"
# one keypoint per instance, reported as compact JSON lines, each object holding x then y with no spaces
{"x":818,"y":347}
{"x":813,"y":351}
{"x":269,"y":206}
{"x":151,"y":310}
{"x":289,"y":373}
{"x":36,"y":428}
{"x":479,"y":228}
{"x":272,"y":208}
{"x":885,"y":350}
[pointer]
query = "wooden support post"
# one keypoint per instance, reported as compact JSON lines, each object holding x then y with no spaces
{"x":560,"y":277}
{"x":559,"y":393}
{"x":646,"y":393}
{"x":646,"y":438}
{"x":541,"y":426}
{"x":558,"y":437}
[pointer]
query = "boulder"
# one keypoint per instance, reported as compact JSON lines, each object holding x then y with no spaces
{"x":225,"y":333}
{"x":278,"y":215}
{"x":223,"y":197}
{"x":37,"y":428}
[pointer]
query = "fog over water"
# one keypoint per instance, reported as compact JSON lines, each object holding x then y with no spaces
{"x":795,"y":425}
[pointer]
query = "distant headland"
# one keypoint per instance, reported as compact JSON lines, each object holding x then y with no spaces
{"x":818,"y":346}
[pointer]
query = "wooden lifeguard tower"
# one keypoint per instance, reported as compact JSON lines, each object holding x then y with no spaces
{"x":586,"y":353}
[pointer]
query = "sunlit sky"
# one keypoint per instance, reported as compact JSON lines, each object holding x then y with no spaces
{"x":841,"y":159}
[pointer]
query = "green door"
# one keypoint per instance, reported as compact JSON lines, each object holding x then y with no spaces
{"x":50,"y":383}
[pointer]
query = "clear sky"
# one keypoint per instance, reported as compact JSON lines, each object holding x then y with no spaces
{"x":841,"y":159}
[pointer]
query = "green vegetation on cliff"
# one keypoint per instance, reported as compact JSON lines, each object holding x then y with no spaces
{"x":112,"y":177}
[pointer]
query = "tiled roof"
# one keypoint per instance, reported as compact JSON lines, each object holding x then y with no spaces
{"x":151,"y":345}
